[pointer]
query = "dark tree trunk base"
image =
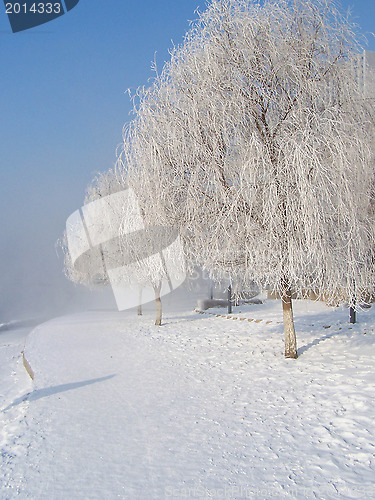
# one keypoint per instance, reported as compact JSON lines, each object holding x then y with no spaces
{"x":352,"y":315}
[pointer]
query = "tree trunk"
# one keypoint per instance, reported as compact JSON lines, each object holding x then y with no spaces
{"x":158,"y":304}
{"x":230,"y":299}
{"x":289,"y":331}
{"x":140,"y":302}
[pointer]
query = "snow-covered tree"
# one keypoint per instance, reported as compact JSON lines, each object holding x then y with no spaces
{"x":110,"y":241}
{"x":257,"y":141}
{"x":88,"y":268}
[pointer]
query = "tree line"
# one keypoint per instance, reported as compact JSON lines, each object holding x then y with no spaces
{"x":256,"y":144}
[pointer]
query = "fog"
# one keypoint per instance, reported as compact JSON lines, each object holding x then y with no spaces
{"x":33,"y":284}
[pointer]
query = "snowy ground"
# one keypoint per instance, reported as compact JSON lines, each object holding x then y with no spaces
{"x":202,"y":407}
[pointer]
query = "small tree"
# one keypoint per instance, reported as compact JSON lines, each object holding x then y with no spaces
{"x":257,"y":140}
{"x":84,"y":260}
{"x":110,"y":242}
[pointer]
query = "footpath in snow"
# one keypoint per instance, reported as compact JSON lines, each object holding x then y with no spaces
{"x":202,"y":407}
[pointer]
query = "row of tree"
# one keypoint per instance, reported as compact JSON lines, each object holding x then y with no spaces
{"x":255,"y":143}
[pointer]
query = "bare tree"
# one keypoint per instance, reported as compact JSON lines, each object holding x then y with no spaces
{"x":257,"y":141}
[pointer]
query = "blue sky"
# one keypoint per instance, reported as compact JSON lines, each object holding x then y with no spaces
{"x":63,"y":105}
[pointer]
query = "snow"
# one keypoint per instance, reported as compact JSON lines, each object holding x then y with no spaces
{"x":202,"y":407}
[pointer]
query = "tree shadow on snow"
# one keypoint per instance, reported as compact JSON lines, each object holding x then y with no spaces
{"x":49,"y":391}
{"x":303,"y":349}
